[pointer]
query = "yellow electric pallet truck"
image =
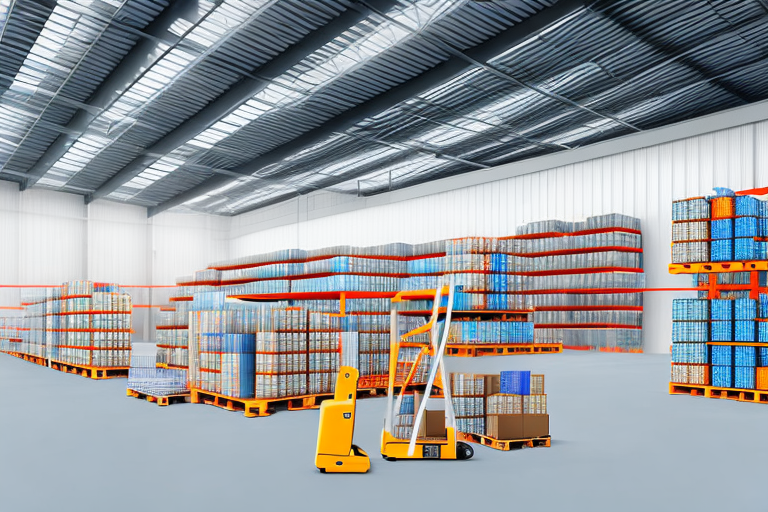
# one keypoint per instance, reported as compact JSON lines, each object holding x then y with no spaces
{"x":433,"y":433}
{"x":335,"y":451}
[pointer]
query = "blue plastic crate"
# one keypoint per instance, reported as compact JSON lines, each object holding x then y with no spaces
{"x":747,"y":205}
{"x":745,"y":227}
{"x":744,"y":330}
{"x":721,"y":229}
{"x":515,"y":383}
{"x":763,"y":305}
{"x":744,"y":377}
{"x":722,"y":376}
{"x":690,"y":353}
{"x":745,"y":309}
{"x":690,"y":309}
{"x":762,"y":227}
{"x":761,"y":250}
{"x":762,"y":356}
{"x":745,"y":249}
{"x":745,"y":356}
{"x":722,"y":331}
{"x":722,"y":355}
{"x":721,"y":250}
{"x":762,"y":332}
{"x":690,"y":332}
{"x":722,"y":309}
{"x":762,"y":208}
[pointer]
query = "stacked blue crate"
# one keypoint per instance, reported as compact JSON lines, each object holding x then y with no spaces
{"x":515,"y":383}
{"x":747,"y":206}
{"x":762,"y":332}
{"x":722,"y":376}
{"x":762,"y":356}
{"x":690,"y":353}
{"x":744,"y":377}
{"x":722,"y":355}
{"x":722,"y":250}
{"x":722,"y":229}
{"x":722,"y":331}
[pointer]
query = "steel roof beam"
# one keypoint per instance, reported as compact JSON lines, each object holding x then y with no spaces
{"x":237,"y":95}
{"x":440,"y":73}
{"x":132,"y":65}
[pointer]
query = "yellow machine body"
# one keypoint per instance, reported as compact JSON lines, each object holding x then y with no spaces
{"x":394,"y":448}
{"x":335,"y":451}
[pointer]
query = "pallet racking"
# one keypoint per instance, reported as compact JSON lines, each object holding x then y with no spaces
{"x":718,"y":349}
{"x":80,"y":327}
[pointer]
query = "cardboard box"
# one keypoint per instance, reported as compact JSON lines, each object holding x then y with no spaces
{"x":492,"y":384}
{"x":434,"y":424}
{"x":504,"y":426}
{"x":535,"y":425}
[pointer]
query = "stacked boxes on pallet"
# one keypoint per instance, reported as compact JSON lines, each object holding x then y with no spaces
{"x":716,"y":337}
{"x":13,"y":338}
{"x":509,"y":406}
{"x":719,"y":228}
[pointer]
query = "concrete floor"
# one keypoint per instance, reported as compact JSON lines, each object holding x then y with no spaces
{"x":620,"y":442}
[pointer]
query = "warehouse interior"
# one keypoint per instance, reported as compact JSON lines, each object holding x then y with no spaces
{"x":148,"y":145}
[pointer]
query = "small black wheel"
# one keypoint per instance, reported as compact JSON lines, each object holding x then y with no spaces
{"x":322,"y":470}
{"x":390,"y":459}
{"x":464,"y":451}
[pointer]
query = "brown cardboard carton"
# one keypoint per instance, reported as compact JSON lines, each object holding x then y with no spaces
{"x":492,"y":384}
{"x":434,"y":423}
{"x":505,"y":426}
{"x":535,"y":425}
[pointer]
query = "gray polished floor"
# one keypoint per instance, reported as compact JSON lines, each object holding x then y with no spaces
{"x":620,"y":442}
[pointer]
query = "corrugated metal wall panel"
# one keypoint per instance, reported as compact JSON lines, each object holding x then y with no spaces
{"x":642,"y":183}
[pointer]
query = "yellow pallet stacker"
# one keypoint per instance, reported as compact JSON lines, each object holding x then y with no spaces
{"x":335,"y":451}
{"x":422,"y":444}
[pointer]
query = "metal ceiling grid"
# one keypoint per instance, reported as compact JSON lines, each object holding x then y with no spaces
{"x":246,"y":100}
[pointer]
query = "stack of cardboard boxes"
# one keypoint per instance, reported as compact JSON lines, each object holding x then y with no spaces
{"x":515,"y":404}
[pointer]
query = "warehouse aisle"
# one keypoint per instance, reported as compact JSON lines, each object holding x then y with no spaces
{"x":78,"y":444}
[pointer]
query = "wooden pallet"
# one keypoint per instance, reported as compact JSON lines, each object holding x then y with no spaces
{"x":91,"y":372}
{"x":26,"y":357}
{"x":740,"y":395}
{"x":254,"y":407}
{"x":159,"y":400}
{"x":505,"y":444}
{"x":502,"y":349}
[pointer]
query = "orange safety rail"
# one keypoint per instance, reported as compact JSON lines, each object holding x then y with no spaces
{"x":199,"y":283}
{"x":66,"y":313}
{"x":90,"y":330}
{"x":586,"y":326}
{"x":93,"y":348}
{"x":588,"y":308}
{"x":418,"y":294}
{"x":180,"y":299}
{"x":170,"y":327}
{"x":271,"y":297}
{"x":299,"y":277}
{"x":753,"y":192}
{"x":326,"y":257}
{"x":583,"y":250}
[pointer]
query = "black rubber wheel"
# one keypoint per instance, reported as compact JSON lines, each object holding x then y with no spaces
{"x":464,"y":451}
{"x":390,"y":459}
{"x":322,"y":470}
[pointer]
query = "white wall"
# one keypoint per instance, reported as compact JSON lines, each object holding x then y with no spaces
{"x":47,"y":238}
{"x":640,"y":182}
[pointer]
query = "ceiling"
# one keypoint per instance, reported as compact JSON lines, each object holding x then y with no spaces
{"x":228,"y":106}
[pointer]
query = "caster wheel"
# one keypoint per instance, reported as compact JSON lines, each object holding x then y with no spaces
{"x":322,"y":470}
{"x":390,"y":459}
{"x":464,"y":451}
